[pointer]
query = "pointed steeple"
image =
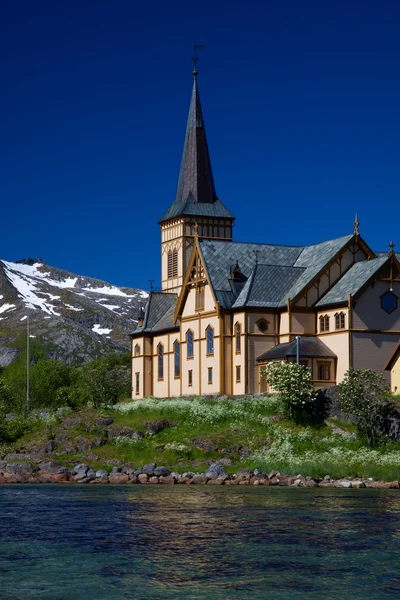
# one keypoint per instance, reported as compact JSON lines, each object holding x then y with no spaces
{"x":196,"y":193}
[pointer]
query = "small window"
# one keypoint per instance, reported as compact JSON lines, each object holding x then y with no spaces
{"x":340,"y":320}
{"x":324,"y":371}
{"x":189,"y":344}
{"x":238,"y":374}
{"x":238,"y":337}
{"x":199,"y":302}
{"x":262,"y":325}
{"x":210,"y":375}
{"x":324,"y":323}
{"x":137,"y":383}
{"x":210,"y":340}
{"x":177,"y":359}
{"x":172,"y":263}
{"x":389,"y":302}
{"x":137,"y":350}
{"x":190,"y":378}
{"x":160,"y":360}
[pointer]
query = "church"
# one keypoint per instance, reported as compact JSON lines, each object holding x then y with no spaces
{"x":227,"y":308}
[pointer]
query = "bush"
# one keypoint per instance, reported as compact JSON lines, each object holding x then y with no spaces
{"x":100,"y":383}
{"x":294,"y":385}
{"x":360,"y":395}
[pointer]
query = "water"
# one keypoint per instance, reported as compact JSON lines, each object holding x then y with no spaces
{"x":196,"y":542}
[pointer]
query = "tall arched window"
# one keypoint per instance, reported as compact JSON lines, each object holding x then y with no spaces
{"x":172,"y":263}
{"x":189,"y":344}
{"x":177,"y":359}
{"x":210,"y":340}
{"x":238,"y":337}
{"x":160,"y":359}
{"x":137,"y":350}
{"x":324,"y":323}
{"x":340,"y":320}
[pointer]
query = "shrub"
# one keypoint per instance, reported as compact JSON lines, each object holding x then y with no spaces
{"x":293,"y":384}
{"x":360,"y":395}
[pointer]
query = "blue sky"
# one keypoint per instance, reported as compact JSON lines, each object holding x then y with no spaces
{"x":301,"y":105}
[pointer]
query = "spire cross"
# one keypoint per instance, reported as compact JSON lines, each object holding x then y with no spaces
{"x":356,"y":224}
{"x":391,"y":251}
{"x":195,"y":58}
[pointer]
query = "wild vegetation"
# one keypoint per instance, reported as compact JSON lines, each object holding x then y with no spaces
{"x":82,"y":414}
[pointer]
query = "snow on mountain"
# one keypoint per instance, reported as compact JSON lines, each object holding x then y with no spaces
{"x":76,"y":318}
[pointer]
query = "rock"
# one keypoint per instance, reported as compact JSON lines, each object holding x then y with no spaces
{"x":161,"y":472}
{"x":377,"y":484}
{"x":167,"y":479}
{"x":116,"y":470}
{"x":200,"y":479}
{"x":204,"y":444}
{"x":133,"y":479}
{"x":344,"y":484}
{"x":117,"y":478}
{"x":91,"y":474}
{"x":49,"y":447}
{"x":311,"y":483}
{"x":215,"y":470}
{"x":326,"y":484}
{"x":394,"y":485}
{"x":97,"y":442}
{"x":327,"y":478}
{"x":116,"y":431}
{"x":50,"y":466}
{"x":142,"y":478}
{"x":80,"y":469}
{"x":104,"y":421}
{"x":216,"y":481}
{"x":156,"y":427}
{"x":358,"y":484}
{"x":102,"y":476}
{"x":149,"y":469}
{"x":272,"y":474}
{"x":153,"y":480}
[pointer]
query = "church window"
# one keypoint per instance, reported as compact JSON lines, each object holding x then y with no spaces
{"x":262,"y":325}
{"x":190,"y":378}
{"x":189,"y":344}
{"x":199,"y":303}
{"x":324,"y":371}
{"x":137,"y":381}
{"x":160,"y":359}
{"x":210,"y":340}
{"x":177,"y":359}
{"x":238,"y":338}
{"x":324,"y":323}
{"x":389,"y":302}
{"x":238,"y":374}
{"x":172,"y":263}
{"x":210,"y":375}
{"x":137,"y":350}
{"x":340,"y":320}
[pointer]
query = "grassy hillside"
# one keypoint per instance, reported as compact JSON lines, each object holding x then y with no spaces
{"x":186,"y":435}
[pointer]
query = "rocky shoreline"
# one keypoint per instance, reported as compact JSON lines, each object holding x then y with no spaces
{"x":50,"y":471}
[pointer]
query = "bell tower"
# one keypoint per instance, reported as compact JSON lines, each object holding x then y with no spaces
{"x":196,"y":209}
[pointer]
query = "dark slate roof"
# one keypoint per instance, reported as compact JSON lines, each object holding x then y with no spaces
{"x":159,"y":313}
{"x":352,"y":281}
{"x":310,"y":347}
{"x":267,"y":285}
{"x":196,"y":193}
{"x":282,"y":271}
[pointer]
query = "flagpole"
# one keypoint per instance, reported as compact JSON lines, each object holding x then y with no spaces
{"x":27,"y":364}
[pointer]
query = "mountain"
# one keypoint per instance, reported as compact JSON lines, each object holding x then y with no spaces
{"x":74,"y":318}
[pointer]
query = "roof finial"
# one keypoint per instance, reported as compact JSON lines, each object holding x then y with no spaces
{"x":195,"y":58}
{"x":356,"y":224}
{"x":256,"y":253}
{"x":151,"y":281}
{"x":391,"y":251}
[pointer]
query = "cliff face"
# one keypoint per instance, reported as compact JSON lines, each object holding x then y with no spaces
{"x":74,"y":318}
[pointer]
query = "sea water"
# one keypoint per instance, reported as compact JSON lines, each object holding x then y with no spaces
{"x":84,"y":542}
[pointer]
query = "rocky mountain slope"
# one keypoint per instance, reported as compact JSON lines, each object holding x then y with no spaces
{"x":74,"y":318}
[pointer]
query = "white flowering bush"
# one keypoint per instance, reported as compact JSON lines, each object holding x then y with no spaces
{"x":293,"y":384}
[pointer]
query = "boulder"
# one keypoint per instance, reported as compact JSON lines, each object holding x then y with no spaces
{"x":142,"y":478}
{"x":344,"y":484}
{"x":358,"y":484}
{"x":200,"y":479}
{"x":156,"y":427}
{"x":153,"y":480}
{"x":161,"y":472}
{"x":104,"y":421}
{"x":215,"y":470}
{"x":80,"y":469}
{"x":118,"y":478}
{"x":167,"y":479}
{"x":149,"y":469}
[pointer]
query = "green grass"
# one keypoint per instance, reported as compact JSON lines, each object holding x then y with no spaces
{"x":255,"y":424}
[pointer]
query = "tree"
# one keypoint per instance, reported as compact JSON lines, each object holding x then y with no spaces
{"x":101,"y":382}
{"x":360,"y":395}
{"x":293,"y":383}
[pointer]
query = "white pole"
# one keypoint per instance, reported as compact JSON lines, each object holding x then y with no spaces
{"x":27,"y":364}
{"x":298,"y":349}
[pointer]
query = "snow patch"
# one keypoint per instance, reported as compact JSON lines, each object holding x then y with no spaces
{"x":111,"y":290}
{"x":97,"y":329}
{"x":73,"y":307}
{"x":7,"y":307}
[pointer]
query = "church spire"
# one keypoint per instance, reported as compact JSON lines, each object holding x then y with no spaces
{"x":196,"y":193}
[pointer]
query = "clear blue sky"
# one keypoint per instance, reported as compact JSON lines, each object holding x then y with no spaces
{"x":302,"y":110}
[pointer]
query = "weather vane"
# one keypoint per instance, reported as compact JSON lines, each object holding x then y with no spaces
{"x":195,"y":58}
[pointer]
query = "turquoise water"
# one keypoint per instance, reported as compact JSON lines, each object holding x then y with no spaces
{"x":171,"y":542}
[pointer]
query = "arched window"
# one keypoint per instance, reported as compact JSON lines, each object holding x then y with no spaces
{"x":340,"y":320}
{"x":172,"y":263}
{"x":137,"y":350}
{"x":177,"y":359}
{"x":160,"y":359}
{"x":189,"y":344}
{"x":238,"y":337}
{"x":210,"y":340}
{"x":324,"y":323}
